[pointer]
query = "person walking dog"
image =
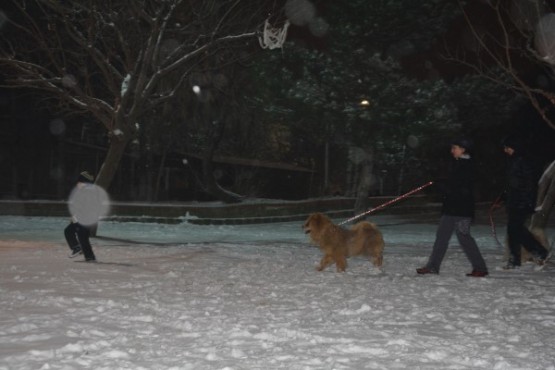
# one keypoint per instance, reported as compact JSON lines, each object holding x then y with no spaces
{"x":457,"y":213}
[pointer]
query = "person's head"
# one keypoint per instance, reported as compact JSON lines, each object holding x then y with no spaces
{"x":460,"y":147}
{"x":85,"y":178}
{"x":511,"y":145}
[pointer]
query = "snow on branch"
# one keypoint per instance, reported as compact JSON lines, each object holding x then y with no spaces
{"x":125,"y":84}
{"x":187,"y":57}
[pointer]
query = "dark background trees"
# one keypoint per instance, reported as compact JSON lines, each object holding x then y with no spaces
{"x":369,"y":104}
{"x":362,"y":99}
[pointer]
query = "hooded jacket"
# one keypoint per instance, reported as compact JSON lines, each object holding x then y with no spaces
{"x":458,"y":188}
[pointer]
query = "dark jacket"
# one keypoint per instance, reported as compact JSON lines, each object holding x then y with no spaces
{"x":458,"y":189}
{"x":522,"y":183}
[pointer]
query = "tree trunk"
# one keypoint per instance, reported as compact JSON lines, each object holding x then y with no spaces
{"x":365,"y":183}
{"x":212,"y":187}
{"x":109,"y":168}
{"x":111,"y":162}
{"x":158,"y":182}
{"x":213,"y":118}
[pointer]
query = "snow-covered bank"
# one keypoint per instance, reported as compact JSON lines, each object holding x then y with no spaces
{"x":248,"y":297}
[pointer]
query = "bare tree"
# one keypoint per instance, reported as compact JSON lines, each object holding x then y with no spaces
{"x":513,"y":47}
{"x":107,"y":59}
{"x":508,"y":49}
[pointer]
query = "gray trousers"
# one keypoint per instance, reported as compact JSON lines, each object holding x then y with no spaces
{"x":461,"y":226}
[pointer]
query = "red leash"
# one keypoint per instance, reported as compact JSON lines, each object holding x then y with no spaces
{"x":388,"y":203}
{"x":493,"y":231}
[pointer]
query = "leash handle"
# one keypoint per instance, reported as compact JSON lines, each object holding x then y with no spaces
{"x":395,"y":200}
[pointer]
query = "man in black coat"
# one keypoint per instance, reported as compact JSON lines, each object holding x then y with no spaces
{"x":520,"y":199}
{"x":457,"y":213}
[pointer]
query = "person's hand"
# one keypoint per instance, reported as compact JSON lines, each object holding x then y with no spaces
{"x":496,"y":205}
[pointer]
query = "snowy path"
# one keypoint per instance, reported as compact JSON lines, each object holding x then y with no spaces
{"x":248,"y":297}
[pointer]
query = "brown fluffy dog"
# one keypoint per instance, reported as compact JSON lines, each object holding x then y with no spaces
{"x":338,"y":243}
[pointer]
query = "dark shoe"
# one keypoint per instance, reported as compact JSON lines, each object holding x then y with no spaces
{"x":90,"y":259}
{"x":76,"y":251}
{"x":511,"y":265}
{"x":477,"y":273}
{"x":542,"y":260}
{"x":426,"y":270}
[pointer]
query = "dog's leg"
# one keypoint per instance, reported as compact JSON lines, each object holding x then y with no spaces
{"x":340,"y":263}
{"x":377,"y":260}
{"x":325,"y":262}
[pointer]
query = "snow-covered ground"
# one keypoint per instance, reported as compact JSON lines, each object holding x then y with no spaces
{"x":248,"y":297}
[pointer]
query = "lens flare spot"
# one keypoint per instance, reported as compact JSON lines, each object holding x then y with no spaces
{"x":88,"y":204}
{"x":57,"y":127}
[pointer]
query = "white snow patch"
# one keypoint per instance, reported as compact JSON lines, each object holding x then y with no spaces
{"x":364,"y":308}
{"x":247,"y":297}
{"x":115,"y":354}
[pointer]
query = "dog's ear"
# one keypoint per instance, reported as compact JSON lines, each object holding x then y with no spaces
{"x":317,"y":218}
